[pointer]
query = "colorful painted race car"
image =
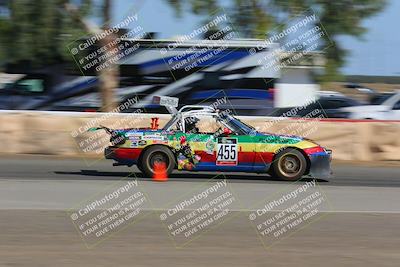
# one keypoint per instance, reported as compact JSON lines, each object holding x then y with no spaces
{"x":199,"y":138}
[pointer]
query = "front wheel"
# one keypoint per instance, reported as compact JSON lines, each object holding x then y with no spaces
{"x":289,"y":165}
{"x":156,"y":155}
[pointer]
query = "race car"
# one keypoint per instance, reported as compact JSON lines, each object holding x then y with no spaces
{"x":201,"y":138}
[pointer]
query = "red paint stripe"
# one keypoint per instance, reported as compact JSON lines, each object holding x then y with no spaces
{"x":205,"y":157}
{"x":264,"y":157}
{"x":242,"y":156}
{"x":246,"y":157}
{"x":313,"y":150}
{"x":257,"y":157}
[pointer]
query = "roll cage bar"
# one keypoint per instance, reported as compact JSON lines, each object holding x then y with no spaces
{"x":195,"y":111}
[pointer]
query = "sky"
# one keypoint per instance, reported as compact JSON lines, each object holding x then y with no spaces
{"x":376,"y":54}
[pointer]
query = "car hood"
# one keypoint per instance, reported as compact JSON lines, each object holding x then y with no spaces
{"x":282,"y":137}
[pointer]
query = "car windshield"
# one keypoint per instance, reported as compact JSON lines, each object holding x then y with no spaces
{"x":237,"y":125}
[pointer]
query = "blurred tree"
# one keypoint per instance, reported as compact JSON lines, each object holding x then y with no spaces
{"x":37,"y":32}
{"x":339,"y":18}
{"x":255,"y":18}
{"x":108,"y":76}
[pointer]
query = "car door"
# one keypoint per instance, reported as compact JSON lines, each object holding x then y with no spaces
{"x":215,"y":150}
{"x":203,"y":147}
{"x":233,"y":153}
{"x":200,"y":141}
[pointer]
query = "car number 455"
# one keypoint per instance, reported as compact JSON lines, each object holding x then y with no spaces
{"x":227,"y":154}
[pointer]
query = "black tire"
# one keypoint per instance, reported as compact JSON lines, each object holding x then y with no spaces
{"x":271,"y":172}
{"x":157,"y":154}
{"x":139,"y":166}
{"x":289,"y":165}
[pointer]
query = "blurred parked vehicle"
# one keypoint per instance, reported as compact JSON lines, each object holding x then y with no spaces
{"x":330,"y":94}
{"x":59,"y":92}
{"x":383,"y":107}
{"x":378,"y":99}
{"x":327,"y":106}
{"x":360,"y":88}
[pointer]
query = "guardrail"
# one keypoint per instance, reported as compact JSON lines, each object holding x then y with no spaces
{"x":51,"y":133}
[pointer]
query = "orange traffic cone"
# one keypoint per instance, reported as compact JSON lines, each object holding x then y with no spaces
{"x":160,"y":172}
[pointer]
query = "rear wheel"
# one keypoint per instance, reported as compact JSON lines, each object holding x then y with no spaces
{"x":289,"y":165}
{"x":157,"y":155}
{"x":139,"y":166}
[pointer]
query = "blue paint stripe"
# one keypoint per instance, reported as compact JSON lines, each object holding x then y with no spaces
{"x":319,"y":154}
{"x":241,"y":167}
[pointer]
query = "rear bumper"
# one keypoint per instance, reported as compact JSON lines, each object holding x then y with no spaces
{"x":320,"y":166}
{"x":124,"y":156}
{"x":109,"y":153}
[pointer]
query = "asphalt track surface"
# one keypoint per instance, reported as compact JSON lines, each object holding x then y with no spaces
{"x":359,"y":227}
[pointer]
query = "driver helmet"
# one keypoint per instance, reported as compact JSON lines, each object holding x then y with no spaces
{"x":190,"y":124}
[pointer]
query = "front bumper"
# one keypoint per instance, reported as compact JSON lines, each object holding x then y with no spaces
{"x":320,"y":166}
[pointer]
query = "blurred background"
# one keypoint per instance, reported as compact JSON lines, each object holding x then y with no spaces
{"x":333,"y":61}
{"x":354,"y":62}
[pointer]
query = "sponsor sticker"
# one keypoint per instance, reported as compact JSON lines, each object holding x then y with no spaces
{"x":138,"y":143}
{"x":160,"y":142}
{"x":134,"y":134}
{"x":210,"y":145}
{"x":154,"y":137}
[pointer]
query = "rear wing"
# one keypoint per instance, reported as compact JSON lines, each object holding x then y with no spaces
{"x":170,"y":103}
